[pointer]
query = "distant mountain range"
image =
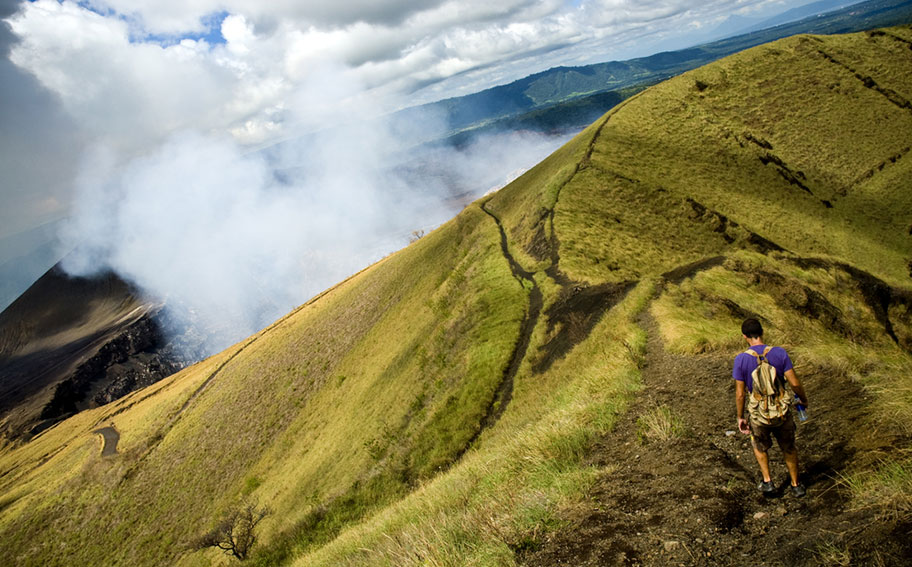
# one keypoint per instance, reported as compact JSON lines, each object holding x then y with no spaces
{"x":542,"y":101}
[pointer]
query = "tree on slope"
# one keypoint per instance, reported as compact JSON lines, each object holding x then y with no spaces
{"x":236,"y":531}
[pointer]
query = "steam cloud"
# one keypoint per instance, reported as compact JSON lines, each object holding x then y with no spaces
{"x":231,"y":239}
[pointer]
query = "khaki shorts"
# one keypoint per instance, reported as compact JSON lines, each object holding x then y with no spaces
{"x":761,"y":435}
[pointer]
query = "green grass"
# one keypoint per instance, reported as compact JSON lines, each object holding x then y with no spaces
{"x":645,"y":155}
{"x":509,"y":492}
{"x":660,"y":424}
{"x":886,"y":488}
{"x":265,"y":415}
{"x":351,"y":418}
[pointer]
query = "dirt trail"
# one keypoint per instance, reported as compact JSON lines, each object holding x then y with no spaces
{"x":110,"y":436}
{"x":693,"y":500}
{"x":504,"y":393}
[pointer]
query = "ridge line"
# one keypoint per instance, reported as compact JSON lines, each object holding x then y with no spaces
{"x":553,"y":271}
{"x":870,"y":83}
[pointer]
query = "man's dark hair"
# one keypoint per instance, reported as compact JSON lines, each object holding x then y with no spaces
{"x":752,"y":328}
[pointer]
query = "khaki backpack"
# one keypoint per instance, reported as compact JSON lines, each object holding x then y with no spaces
{"x":770,"y":400}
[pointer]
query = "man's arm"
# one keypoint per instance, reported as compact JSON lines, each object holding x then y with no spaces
{"x":740,"y":390}
{"x":796,"y":385}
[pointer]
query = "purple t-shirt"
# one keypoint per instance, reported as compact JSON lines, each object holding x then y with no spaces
{"x":746,"y":363}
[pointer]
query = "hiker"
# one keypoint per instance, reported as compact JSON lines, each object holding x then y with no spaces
{"x":769,"y":410}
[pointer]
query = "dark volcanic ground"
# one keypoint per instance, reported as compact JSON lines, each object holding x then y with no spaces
{"x":68,"y":344}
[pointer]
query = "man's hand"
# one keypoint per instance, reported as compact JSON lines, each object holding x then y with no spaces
{"x":743,"y":426}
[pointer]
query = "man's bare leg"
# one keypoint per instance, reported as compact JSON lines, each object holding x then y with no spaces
{"x":791,"y":462}
{"x":763,"y":461}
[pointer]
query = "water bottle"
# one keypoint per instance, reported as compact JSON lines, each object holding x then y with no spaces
{"x":802,"y":410}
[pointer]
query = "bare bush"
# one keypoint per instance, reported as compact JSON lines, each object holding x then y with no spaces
{"x":236,"y":531}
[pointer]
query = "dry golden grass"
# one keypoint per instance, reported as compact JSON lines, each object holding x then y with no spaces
{"x":660,"y":424}
{"x":511,"y":489}
{"x":675,"y":144}
{"x":886,"y":488}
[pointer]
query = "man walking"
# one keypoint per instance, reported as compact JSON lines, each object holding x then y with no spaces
{"x":770,"y":415}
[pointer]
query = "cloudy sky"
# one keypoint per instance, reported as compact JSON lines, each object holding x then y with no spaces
{"x":110,"y":109}
{"x":127,"y":73}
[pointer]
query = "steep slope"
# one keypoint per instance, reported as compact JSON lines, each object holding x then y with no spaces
{"x":448,"y":404}
{"x":555,"y":101}
{"x":59,"y":339}
{"x":414,"y":318}
{"x":770,"y":151}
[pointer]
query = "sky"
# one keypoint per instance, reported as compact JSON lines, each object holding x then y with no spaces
{"x":127,"y":73}
{"x":115,"y":114}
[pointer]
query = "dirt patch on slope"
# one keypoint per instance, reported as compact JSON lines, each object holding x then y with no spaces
{"x":573,"y":315}
{"x":692,"y":500}
{"x":110,"y":437}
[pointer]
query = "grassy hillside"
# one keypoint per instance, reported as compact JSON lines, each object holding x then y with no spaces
{"x":447,"y":405}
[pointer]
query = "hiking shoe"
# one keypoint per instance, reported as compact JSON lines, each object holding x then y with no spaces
{"x":798,"y":490}
{"x":766,"y":487}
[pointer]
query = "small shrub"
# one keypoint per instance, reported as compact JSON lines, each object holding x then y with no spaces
{"x":660,"y":424}
{"x":251,"y":483}
{"x":831,"y":554}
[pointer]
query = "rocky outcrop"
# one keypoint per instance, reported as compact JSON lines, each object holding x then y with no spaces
{"x":135,"y":358}
{"x":72,"y":343}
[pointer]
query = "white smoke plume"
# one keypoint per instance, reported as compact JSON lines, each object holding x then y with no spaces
{"x":231,"y":238}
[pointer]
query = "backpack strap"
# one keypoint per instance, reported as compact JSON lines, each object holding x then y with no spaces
{"x":757,"y":355}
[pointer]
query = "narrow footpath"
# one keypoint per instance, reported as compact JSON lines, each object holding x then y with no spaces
{"x":692,"y":499}
{"x":110,"y":438}
{"x":504,"y":393}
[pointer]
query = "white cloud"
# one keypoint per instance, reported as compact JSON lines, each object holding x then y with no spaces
{"x":183,"y":16}
{"x":132,"y":91}
{"x":126,"y":94}
{"x":238,"y":34}
{"x":179,"y":113}
{"x":239,"y":238}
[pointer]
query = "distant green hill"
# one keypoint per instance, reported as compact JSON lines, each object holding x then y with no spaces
{"x":523,"y":102}
{"x":447,"y":405}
